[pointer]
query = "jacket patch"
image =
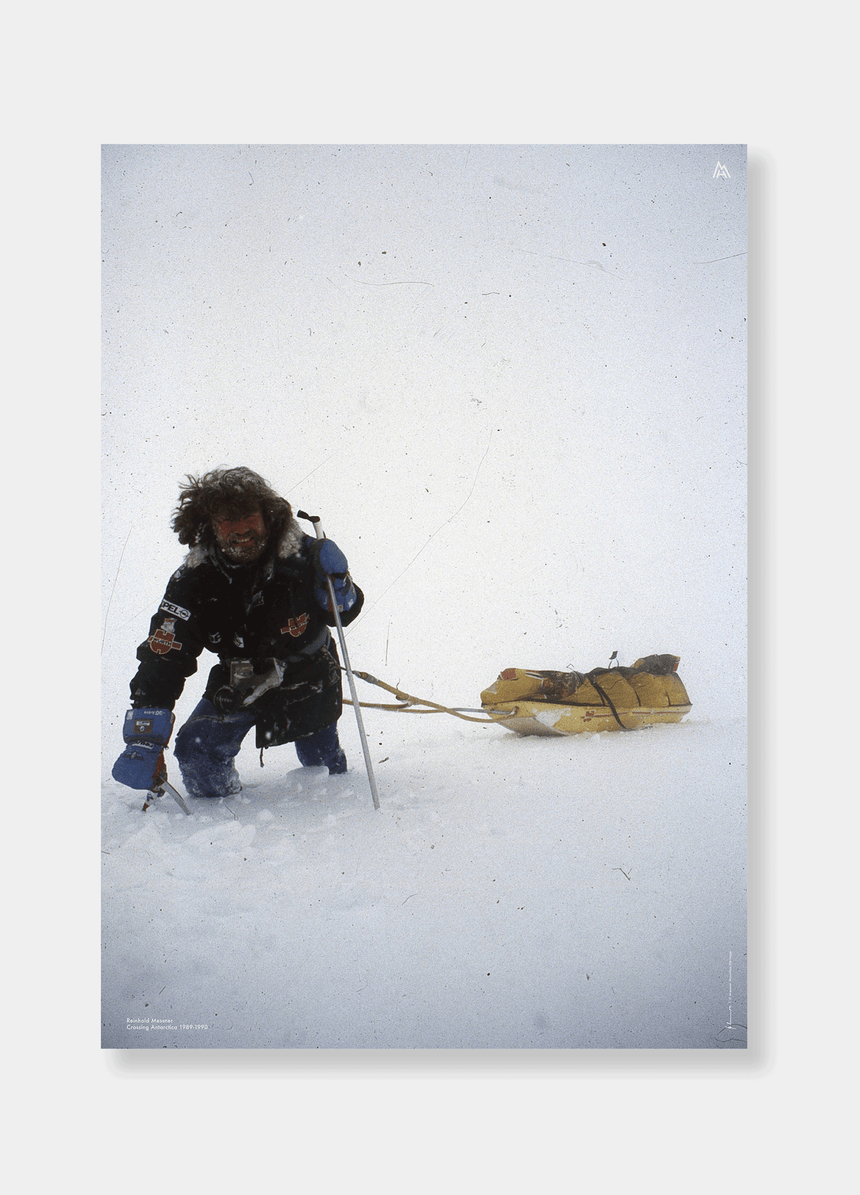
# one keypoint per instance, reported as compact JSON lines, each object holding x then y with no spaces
{"x":296,"y":626}
{"x":177,"y":610}
{"x":164,"y":639}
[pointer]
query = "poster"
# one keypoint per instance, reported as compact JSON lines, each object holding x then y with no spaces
{"x":511,"y":381}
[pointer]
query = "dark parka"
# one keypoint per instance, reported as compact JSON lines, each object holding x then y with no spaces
{"x":263,"y":611}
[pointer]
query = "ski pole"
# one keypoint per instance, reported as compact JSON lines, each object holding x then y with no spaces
{"x":320,"y":534}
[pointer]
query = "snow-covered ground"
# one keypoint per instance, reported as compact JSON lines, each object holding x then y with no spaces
{"x":526,"y":893}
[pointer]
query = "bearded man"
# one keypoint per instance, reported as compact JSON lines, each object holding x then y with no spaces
{"x":253,"y":589}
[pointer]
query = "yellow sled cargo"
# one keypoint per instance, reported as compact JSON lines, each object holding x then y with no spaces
{"x":530,"y":702}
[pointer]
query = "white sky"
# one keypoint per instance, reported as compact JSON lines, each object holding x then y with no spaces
{"x":510,"y":379}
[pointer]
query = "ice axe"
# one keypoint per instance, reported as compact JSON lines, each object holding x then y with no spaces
{"x":320,"y":534}
{"x":158,"y":790}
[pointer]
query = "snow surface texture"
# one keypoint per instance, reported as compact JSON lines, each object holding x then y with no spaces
{"x":582,"y":892}
{"x":511,"y":381}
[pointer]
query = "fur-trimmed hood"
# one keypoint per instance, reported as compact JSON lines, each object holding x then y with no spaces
{"x":290,"y":544}
{"x":292,"y":540}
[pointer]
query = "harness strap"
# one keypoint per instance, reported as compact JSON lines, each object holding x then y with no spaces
{"x":608,"y":701}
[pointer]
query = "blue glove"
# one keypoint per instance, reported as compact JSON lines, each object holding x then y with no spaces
{"x":147,"y":733}
{"x":344,"y":595}
{"x":330,"y":563}
{"x":328,"y":558}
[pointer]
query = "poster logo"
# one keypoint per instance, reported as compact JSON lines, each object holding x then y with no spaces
{"x":721,"y":171}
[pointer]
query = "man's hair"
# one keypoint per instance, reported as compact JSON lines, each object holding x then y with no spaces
{"x":230,"y":494}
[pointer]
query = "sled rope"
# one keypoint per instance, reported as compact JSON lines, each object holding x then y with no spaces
{"x":408,"y":702}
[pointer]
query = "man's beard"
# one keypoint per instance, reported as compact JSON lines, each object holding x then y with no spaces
{"x":241,"y":549}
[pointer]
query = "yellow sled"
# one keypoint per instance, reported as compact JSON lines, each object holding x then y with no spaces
{"x":530,"y":702}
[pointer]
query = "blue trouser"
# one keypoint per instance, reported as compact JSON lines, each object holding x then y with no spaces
{"x":208,"y":743}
